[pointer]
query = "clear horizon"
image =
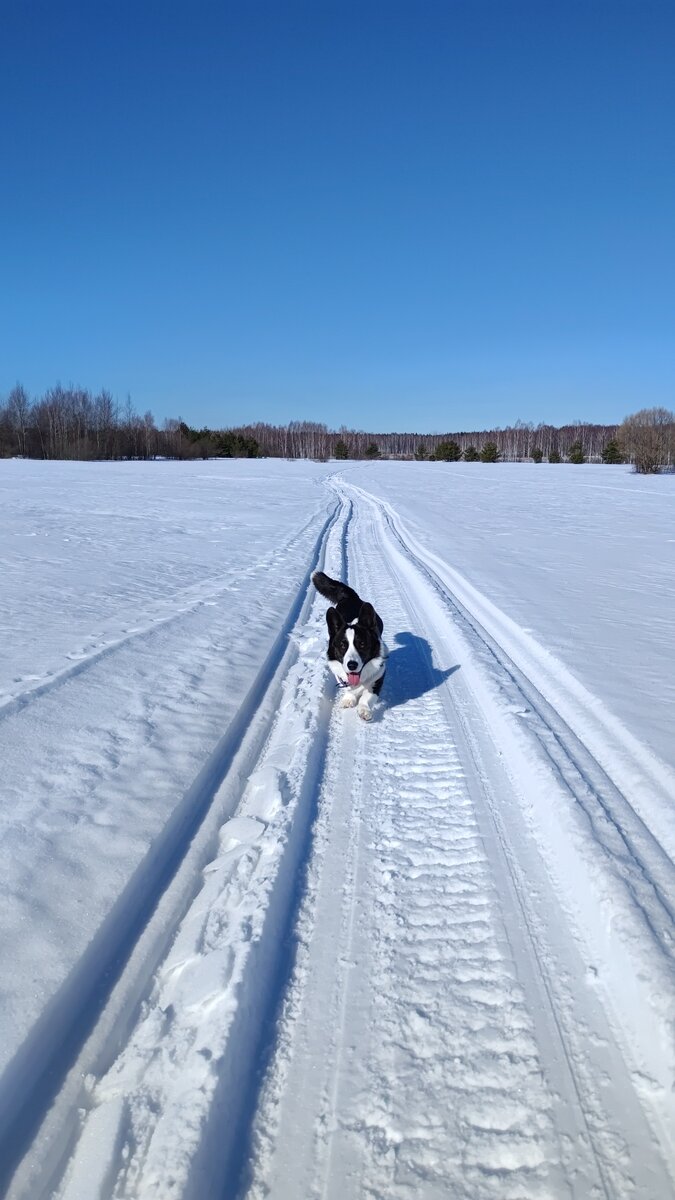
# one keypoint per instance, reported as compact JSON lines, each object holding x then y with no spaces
{"x":387,"y":217}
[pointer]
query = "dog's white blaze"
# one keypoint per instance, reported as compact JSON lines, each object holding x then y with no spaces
{"x":352,"y":654}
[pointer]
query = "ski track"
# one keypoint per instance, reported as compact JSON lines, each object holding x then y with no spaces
{"x":443,"y":942}
{"x":182,"y":603}
{"x":100,"y":996}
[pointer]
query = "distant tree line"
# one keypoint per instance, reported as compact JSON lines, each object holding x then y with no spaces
{"x":309,"y":439}
{"x":75,"y":423}
{"x":578,"y":443}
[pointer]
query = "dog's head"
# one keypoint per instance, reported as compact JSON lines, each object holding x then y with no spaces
{"x":355,"y":644}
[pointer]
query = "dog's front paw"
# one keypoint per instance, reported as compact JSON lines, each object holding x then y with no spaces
{"x":348,"y":700}
{"x":365,"y":713}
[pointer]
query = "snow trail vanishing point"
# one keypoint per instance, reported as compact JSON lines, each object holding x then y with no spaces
{"x":430,"y":957}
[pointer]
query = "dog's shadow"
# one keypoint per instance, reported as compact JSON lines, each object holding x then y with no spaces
{"x":410,"y":670}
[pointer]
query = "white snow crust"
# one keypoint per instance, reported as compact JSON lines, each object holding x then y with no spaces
{"x":254,"y":947}
{"x":581,"y":558}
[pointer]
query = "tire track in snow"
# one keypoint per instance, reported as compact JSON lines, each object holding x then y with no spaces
{"x":325,"y":969}
{"x":636,"y":855}
{"x":397,"y":1078}
{"x":88,"y":1020}
{"x":432,"y":1112}
{"x":635,"y":1051}
{"x":427,"y":1098}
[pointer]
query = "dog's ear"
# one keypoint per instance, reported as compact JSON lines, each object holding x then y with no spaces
{"x":367,"y":615}
{"x":334,"y":621}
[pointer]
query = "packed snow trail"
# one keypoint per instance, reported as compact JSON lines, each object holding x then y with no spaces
{"x":434,"y":1041}
{"x":444,"y":940}
{"x":412,"y":1036}
{"x":597,"y":804}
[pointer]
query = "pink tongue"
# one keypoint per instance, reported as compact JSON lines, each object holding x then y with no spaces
{"x":353,"y":680}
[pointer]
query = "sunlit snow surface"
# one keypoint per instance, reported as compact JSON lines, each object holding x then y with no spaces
{"x":583,"y":557}
{"x":145,"y":610}
{"x":138,"y":601}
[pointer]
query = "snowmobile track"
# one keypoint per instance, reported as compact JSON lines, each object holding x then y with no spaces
{"x":634,"y":853}
{"x":332,"y":1143}
{"x":608,"y":840}
{"x":350,"y":968}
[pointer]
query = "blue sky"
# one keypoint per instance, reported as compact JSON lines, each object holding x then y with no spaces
{"x":425,"y":216}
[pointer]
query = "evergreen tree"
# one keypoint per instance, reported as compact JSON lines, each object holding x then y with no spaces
{"x":235,"y":445}
{"x":489,"y":453}
{"x":576,"y":454}
{"x":341,"y":449}
{"x":554,"y":456}
{"x":372,"y":451}
{"x":612,"y":452}
{"x":471,"y":454}
{"x":537,"y":454}
{"x":420,"y":453}
{"x":448,"y":452}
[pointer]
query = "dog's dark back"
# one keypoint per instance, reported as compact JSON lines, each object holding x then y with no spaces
{"x":347,"y":602}
{"x":345,"y":599}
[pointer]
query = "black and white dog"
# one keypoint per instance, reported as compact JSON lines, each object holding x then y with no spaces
{"x":357,"y":656}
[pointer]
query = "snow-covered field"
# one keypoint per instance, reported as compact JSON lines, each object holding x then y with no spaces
{"x":254,"y":947}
